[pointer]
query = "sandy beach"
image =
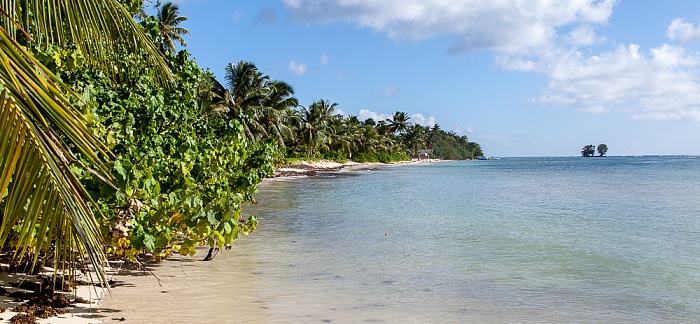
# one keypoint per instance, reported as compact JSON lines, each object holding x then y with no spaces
{"x":165,"y":296}
{"x":305,"y":169}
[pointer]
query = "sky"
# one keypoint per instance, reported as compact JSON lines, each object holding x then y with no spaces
{"x":519,"y":77}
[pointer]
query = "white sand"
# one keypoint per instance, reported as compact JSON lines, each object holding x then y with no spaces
{"x":306,"y":168}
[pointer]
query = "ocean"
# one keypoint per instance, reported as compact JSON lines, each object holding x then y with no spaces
{"x":515,"y":240}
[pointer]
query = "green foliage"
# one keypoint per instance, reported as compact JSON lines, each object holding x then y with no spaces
{"x":602,"y":149}
{"x":588,"y":150}
{"x":399,"y":122}
{"x":182,"y":177}
{"x":381,"y":157}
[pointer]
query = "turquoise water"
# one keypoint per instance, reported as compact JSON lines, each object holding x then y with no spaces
{"x":579,"y":240}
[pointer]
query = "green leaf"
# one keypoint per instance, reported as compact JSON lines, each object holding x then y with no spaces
{"x":227,"y":228}
{"x":149,"y":241}
{"x":119,"y":168}
{"x":211,"y":217}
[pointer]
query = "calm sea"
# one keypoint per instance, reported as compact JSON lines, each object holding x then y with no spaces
{"x":576,"y":240}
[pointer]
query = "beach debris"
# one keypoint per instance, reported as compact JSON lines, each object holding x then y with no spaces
{"x":42,"y":306}
{"x":81,"y":300}
{"x":23,"y":319}
{"x":41,"y":301}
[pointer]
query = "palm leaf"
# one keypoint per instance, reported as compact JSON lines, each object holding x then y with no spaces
{"x":98,"y":28}
{"x":40,"y":193}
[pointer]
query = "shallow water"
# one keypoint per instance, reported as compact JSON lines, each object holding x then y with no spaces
{"x":597,"y":240}
{"x":514,"y":240}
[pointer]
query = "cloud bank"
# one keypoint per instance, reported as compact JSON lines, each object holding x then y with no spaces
{"x":659,"y":84}
{"x":508,"y":26}
{"x":553,"y":38}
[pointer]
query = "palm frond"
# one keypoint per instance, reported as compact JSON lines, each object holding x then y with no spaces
{"x":42,"y":196}
{"x":98,"y":28}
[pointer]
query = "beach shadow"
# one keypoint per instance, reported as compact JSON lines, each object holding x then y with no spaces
{"x":94,"y":313}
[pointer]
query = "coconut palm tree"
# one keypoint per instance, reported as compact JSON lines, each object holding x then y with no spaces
{"x":433,"y":137}
{"x":273,"y":115}
{"x":345,"y":135}
{"x":43,"y":206}
{"x":415,"y":138}
{"x":399,"y":122}
{"x":315,"y":124}
{"x":247,"y":88}
{"x":169,"y":18}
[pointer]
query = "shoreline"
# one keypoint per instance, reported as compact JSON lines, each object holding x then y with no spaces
{"x":311,"y":169}
{"x":138,"y":294}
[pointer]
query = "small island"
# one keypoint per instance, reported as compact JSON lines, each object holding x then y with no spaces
{"x":589,"y":150}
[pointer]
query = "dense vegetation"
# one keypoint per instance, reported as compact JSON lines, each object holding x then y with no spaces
{"x":163,"y":151}
{"x":268,"y":109}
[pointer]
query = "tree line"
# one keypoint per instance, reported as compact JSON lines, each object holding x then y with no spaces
{"x":115,"y":143}
{"x":268,"y":110}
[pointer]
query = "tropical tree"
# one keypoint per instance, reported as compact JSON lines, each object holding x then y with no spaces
{"x":602,"y":149}
{"x":315,"y":121}
{"x":345,"y":135}
{"x":44,"y":208}
{"x":169,"y":19}
{"x":247,"y":89}
{"x":274,"y":113}
{"x":383,"y":128}
{"x":415,"y":138}
{"x":399,"y":122}
{"x":433,"y":137}
{"x":588,"y":150}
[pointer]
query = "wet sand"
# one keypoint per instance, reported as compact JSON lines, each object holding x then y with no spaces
{"x":229,"y":282}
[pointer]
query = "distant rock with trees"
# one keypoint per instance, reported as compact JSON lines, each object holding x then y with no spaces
{"x":590,"y":150}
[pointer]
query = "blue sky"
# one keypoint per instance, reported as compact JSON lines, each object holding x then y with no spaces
{"x":521,"y":78}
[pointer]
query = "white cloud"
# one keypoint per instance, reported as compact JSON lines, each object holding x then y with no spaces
{"x":506,"y":26}
{"x":679,"y":30}
{"x":597,"y":109}
{"x":422,"y":120}
{"x":658,"y":85}
{"x":584,"y":35}
{"x":364,"y":114}
{"x":470,"y":130}
{"x":389,"y":91}
{"x":324,"y":59}
{"x":298,"y":68}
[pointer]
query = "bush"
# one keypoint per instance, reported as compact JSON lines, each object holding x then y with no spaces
{"x":381,"y":157}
